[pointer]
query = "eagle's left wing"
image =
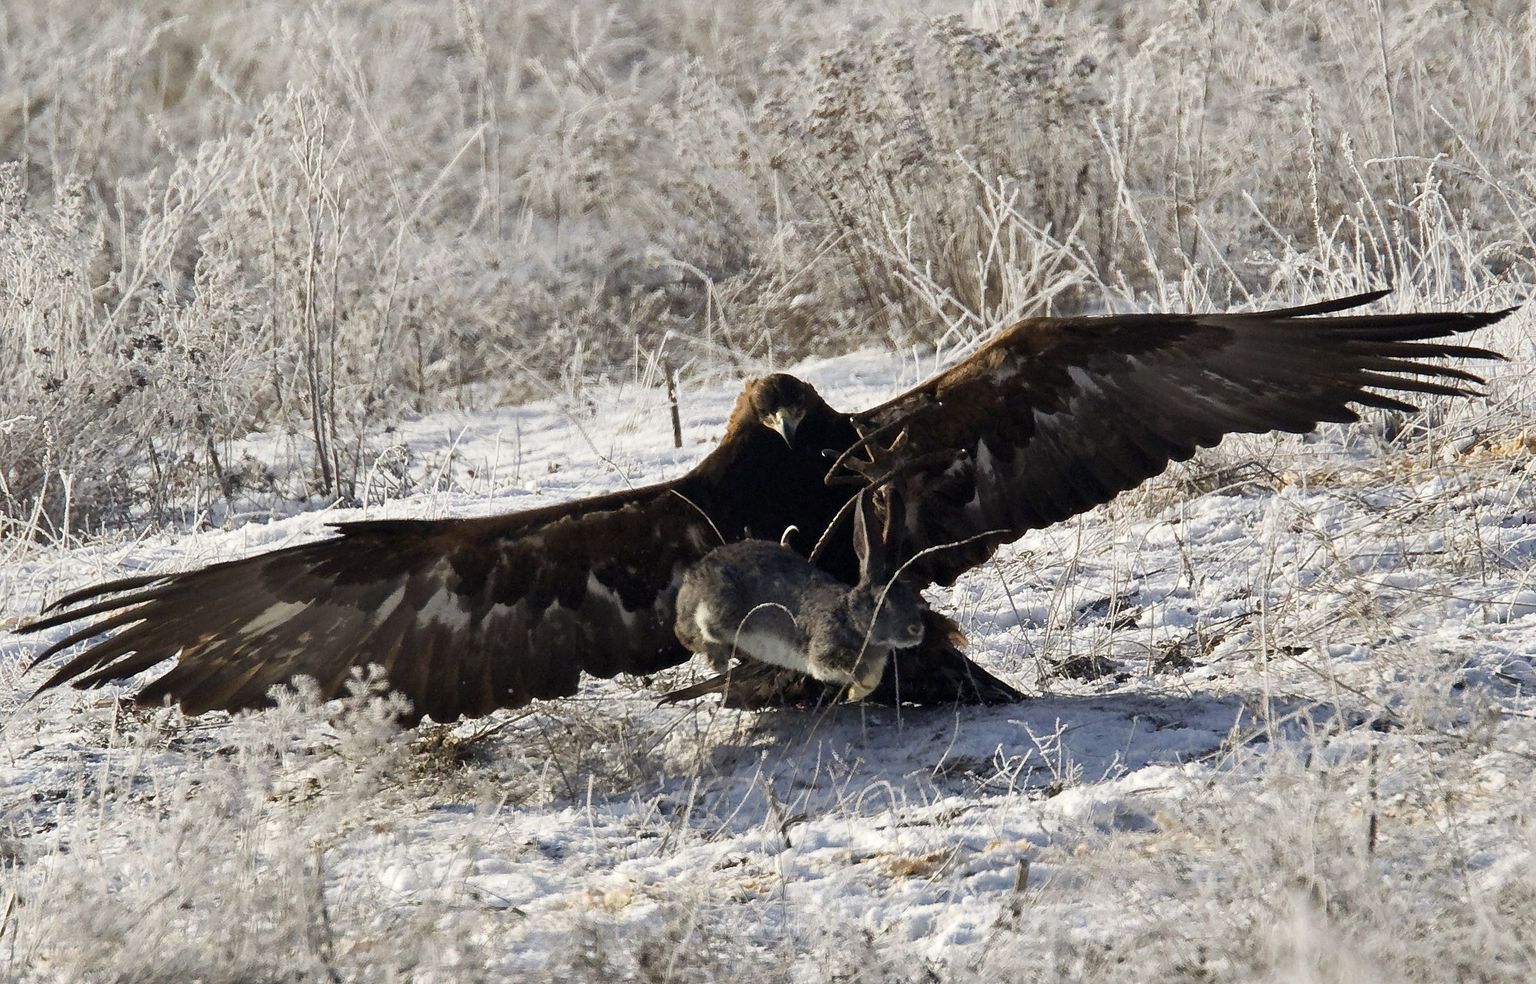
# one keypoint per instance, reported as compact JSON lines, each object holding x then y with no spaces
{"x":1057,"y":415}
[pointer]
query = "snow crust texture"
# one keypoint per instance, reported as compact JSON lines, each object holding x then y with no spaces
{"x":1282,"y":725}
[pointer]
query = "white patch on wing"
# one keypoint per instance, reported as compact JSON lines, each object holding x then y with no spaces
{"x":443,"y":606}
{"x":986,"y":464}
{"x":388,"y":605}
{"x":270,"y":618}
{"x":1085,"y":383}
{"x":701,"y":539}
{"x":598,"y":589}
{"x":976,"y":467}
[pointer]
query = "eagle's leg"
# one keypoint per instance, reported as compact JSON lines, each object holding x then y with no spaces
{"x":936,"y":676}
{"x":933,"y":675}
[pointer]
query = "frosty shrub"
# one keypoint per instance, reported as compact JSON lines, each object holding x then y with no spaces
{"x":312,"y":229}
{"x":219,"y":867}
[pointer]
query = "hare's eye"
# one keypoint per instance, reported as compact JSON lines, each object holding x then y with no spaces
{"x":915,"y":629}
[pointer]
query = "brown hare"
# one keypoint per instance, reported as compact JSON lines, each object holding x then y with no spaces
{"x":761,"y":600}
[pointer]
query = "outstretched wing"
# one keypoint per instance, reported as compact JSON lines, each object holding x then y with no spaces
{"x":1055,"y":416}
{"x":465,"y":615}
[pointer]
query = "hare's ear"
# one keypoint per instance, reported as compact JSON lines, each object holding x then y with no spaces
{"x":870,"y":543}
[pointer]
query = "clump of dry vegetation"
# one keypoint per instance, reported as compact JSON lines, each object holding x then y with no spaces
{"x":207,"y":231}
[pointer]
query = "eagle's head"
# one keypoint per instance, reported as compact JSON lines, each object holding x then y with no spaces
{"x":780,"y":401}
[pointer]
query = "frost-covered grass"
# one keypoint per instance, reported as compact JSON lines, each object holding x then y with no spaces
{"x":312,"y":219}
{"x":310,"y":271}
{"x":1283,"y":732}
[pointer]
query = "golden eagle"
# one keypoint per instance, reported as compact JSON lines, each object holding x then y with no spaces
{"x":1051,"y":417}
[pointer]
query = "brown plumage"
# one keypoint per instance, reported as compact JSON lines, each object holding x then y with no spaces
{"x":465,"y":615}
{"x":1054,"y":416}
{"x":1050,"y":418}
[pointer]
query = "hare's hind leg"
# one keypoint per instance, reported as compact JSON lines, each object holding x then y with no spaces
{"x":937,"y":676}
{"x":718,"y":658}
{"x":934,"y":673}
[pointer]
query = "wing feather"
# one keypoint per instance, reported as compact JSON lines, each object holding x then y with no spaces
{"x":1055,"y":416}
{"x":463,"y":615}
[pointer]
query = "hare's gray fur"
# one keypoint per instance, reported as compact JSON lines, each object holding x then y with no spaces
{"x":758,"y":599}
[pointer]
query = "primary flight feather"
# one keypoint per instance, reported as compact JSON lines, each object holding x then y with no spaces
{"x":1051,"y":417}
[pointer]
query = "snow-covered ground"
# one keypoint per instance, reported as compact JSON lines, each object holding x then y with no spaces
{"x":1282,"y":729}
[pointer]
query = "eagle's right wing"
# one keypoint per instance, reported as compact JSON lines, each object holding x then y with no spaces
{"x":464,"y":615}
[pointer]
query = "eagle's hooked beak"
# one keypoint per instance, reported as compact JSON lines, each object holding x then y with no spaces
{"x":783,"y":423}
